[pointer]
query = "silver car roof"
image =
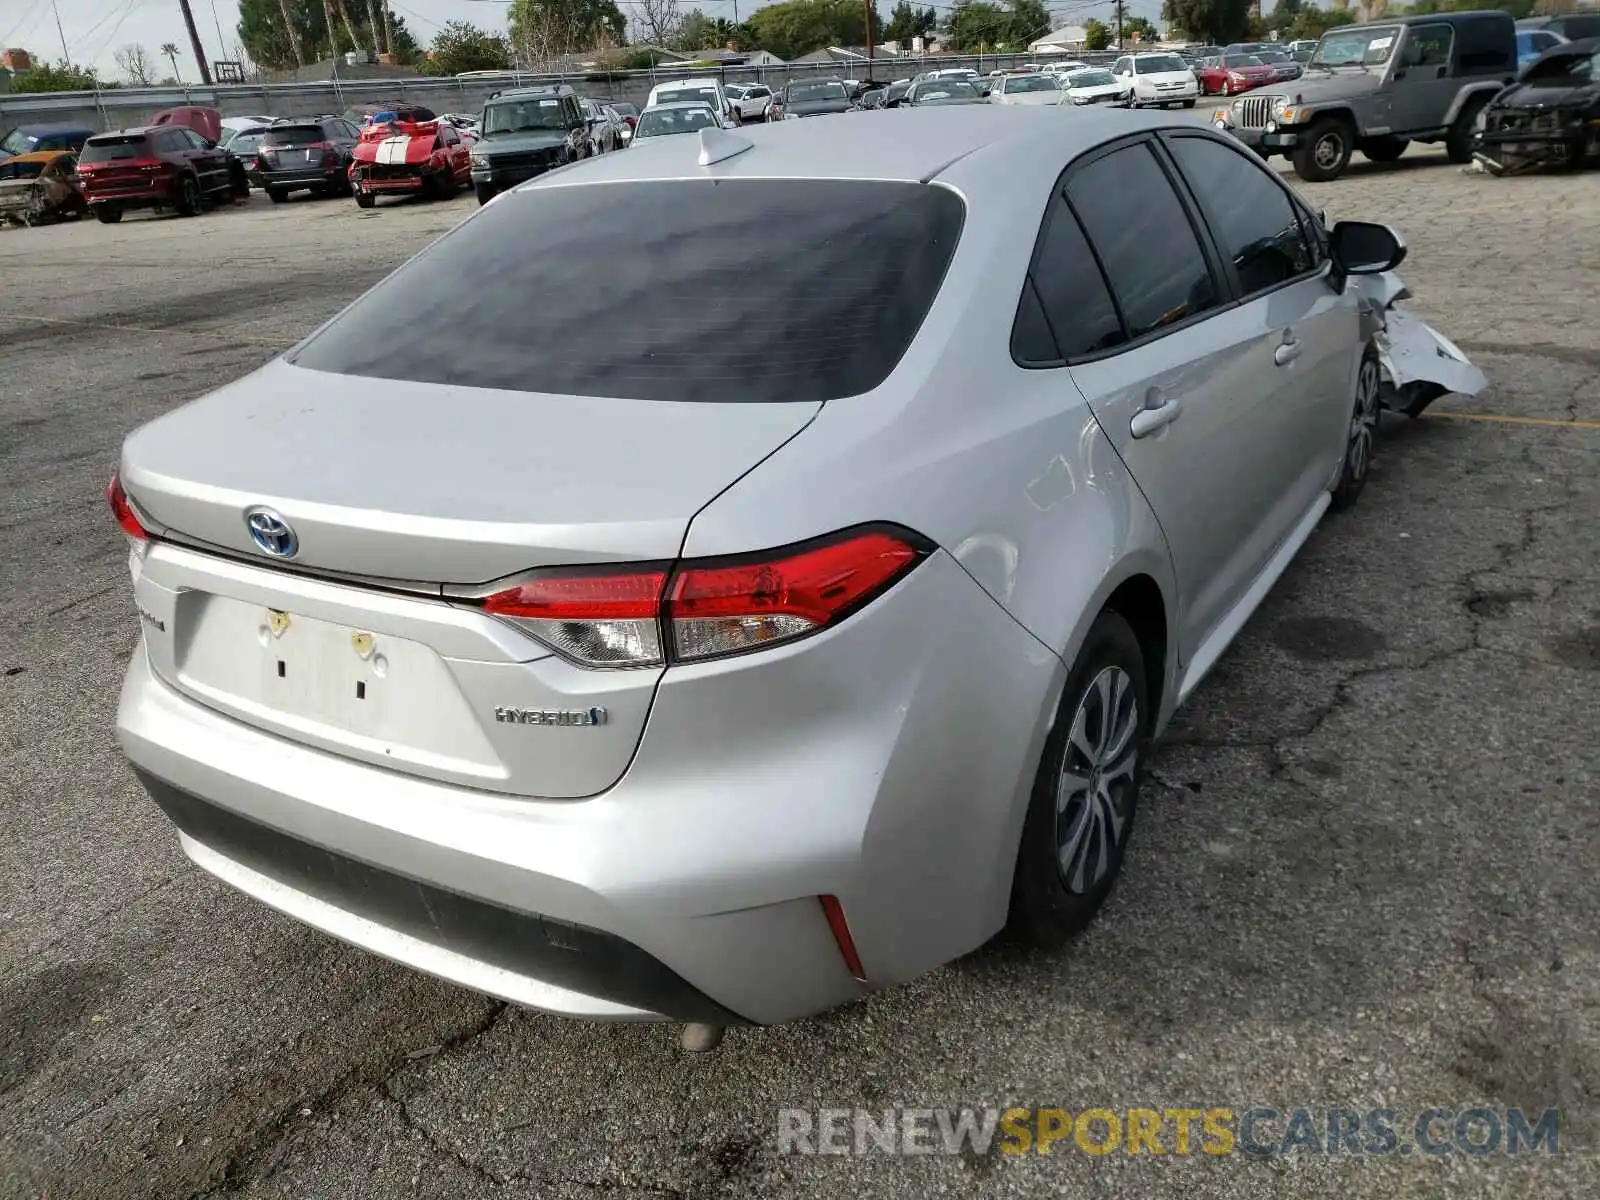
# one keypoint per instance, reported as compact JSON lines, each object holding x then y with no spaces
{"x":915,"y":146}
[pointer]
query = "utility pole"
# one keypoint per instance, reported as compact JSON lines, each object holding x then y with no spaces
{"x":388,"y":29}
{"x":1122,"y":7}
{"x":194,"y":43}
{"x":65,"y":57}
{"x":867,"y":4}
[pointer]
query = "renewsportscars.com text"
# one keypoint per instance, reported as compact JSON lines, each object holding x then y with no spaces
{"x":1259,"y":1132}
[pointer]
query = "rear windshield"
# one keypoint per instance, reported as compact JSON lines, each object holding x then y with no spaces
{"x":292,"y":135}
{"x":1155,"y":64}
{"x":693,"y":290}
{"x":816,"y":91}
{"x":113,"y":147}
{"x":676,"y":120}
{"x":22,"y":170}
{"x":677,"y":95}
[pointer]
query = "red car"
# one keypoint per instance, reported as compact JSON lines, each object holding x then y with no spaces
{"x":159,"y":167}
{"x":1231,"y":74}
{"x":426,"y":158}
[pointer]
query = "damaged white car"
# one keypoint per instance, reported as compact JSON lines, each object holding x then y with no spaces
{"x":1419,"y":363}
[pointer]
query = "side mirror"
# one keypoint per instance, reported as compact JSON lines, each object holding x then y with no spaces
{"x":1363,"y":248}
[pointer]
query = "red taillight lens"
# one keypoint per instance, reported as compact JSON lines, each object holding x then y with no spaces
{"x":123,"y":511}
{"x":601,"y":618}
{"x":615,"y":617}
{"x":727,"y":608}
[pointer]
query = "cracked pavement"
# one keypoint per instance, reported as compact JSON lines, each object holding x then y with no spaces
{"x":1365,"y":871}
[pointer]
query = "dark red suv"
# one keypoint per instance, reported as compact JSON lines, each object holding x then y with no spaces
{"x":161,"y":166}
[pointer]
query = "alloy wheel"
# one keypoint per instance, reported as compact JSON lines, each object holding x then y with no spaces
{"x":1098,"y":768}
{"x":1363,"y":421}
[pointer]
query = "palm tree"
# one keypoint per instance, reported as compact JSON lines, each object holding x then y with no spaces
{"x":170,"y":49}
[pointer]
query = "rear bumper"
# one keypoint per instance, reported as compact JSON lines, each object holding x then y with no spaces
{"x":395,"y":915}
{"x":293,"y":180}
{"x":139,"y":197}
{"x":887,"y":762}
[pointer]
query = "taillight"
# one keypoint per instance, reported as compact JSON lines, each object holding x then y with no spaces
{"x":123,"y":511}
{"x":727,"y":607}
{"x":600,"y":618}
{"x":649,"y":614}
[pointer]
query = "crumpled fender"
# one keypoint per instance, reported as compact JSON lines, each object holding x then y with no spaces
{"x":1417,"y":360}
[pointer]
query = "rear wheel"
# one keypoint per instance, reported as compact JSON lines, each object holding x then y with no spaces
{"x":1384,"y":149}
{"x":277,"y":195}
{"x":1458,"y":144}
{"x":187,"y":201}
{"x":1087,"y":789}
{"x":1362,"y":435}
{"x":108,"y":213}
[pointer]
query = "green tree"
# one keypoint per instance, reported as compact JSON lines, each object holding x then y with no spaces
{"x":1314,"y":22}
{"x":696,"y":31}
{"x":906,"y":22}
{"x":461,"y":46}
{"x":62,"y":77}
{"x":1284,"y":14}
{"x":795,"y":27}
{"x":542,"y":29}
{"x":268,"y":41}
{"x":1216,"y":21}
{"x":1096,"y":35}
{"x":979,"y":26}
{"x":1141,"y":27}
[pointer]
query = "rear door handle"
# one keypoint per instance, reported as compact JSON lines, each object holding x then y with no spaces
{"x":1149,"y":420}
{"x":1286,"y":352}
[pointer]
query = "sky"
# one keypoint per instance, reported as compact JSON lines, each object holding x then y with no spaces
{"x":95,"y":29}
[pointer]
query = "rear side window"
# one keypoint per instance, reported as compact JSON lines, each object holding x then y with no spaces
{"x":114,"y":147}
{"x":1074,"y":304}
{"x":642,"y":290}
{"x":292,"y":135}
{"x":1157,"y":270}
{"x":1249,"y":213}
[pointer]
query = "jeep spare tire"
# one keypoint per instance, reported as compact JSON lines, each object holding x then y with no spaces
{"x":1323,"y":152}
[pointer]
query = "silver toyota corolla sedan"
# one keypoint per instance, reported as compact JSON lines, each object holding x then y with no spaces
{"x":719,"y":580}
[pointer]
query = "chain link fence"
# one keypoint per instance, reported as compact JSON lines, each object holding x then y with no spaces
{"x":121,"y":108}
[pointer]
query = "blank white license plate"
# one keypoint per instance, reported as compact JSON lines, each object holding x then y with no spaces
{"x":270,"y":662}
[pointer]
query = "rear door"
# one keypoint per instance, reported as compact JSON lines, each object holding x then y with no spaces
{"x":1305,"y":337}
{"x":1177,"y":383}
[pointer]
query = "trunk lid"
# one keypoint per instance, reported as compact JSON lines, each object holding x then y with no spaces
{"x":431,"y":485}
{"x":424,"y":482}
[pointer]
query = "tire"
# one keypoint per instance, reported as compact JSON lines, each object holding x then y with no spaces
{"x":1361,"y":435}
{"x":1324,"y":152}
{"x":484,"y":191}
{"x":187,"y":201}
{"x":1188,"y":103}
{"x":1088,"y":824}
{"x":365,"y":199}
{"x":1458,"y":143}
{"x":277,"y":195}
{"x":108,"y":213}
{"x":1384,"y":149}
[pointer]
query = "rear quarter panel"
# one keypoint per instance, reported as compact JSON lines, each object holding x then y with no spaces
{"x":1005,"y":468}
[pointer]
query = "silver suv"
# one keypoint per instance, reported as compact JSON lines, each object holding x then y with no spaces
{"x":774,"y":643}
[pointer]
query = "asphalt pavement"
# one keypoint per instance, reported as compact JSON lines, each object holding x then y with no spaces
{"x":1365,"y":874}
